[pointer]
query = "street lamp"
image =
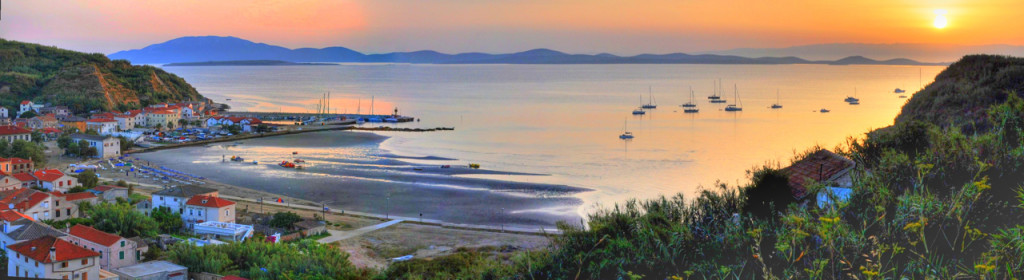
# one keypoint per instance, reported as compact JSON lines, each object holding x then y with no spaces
{"x":502,"y":219}
{"x":387,"y":207}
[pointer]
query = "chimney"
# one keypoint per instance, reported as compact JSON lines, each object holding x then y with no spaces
{"x":53,"y":254}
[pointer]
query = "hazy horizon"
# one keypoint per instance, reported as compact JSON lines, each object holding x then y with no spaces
{"x":457,"y":26}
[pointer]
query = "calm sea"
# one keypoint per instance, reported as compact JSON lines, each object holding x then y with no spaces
{"x":564,"y":120}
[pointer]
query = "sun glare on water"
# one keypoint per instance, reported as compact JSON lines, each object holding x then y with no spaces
{"x":940,"y":19}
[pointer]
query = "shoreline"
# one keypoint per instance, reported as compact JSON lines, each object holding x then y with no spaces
{"x":426,"y":178}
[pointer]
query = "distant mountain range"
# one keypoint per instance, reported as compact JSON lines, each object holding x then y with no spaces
{"x":246,"y":63}
{"x":229,"y":49}
{"x":920,"y":52}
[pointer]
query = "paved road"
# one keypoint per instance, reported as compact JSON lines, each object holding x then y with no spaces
{"x":337,"y":235}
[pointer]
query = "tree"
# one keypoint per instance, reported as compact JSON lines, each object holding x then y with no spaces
{"x":769,"y":193}
{"x":284,"y":219}
{"x":125,"y":143}
{"x":28,"y":150}
{"x":262,"y":128}
{"x":234,"y":129}
{"x":158,"y":126}
{"x":37,"y":136}
{"x":64,"y":140}
{"x":85,"y":150}
{"x":123,"y":220}
{"x":182,"y":122}
{"x":91,"y":131}
{"x":170,"y":125}
{"x":88,"y":179}
{"x":5,"y":149}
{"x":28,"y":115}
{"x":78,"y":189}
{"x":167,"y":220}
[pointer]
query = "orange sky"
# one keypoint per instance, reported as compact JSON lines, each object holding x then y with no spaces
{"x":584,"y":26}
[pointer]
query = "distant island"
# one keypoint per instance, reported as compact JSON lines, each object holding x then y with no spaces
{"x":247,"y":63}
{"x":221,"y":49}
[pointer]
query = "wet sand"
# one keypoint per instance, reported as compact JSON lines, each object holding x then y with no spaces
{"x":347,"y":170}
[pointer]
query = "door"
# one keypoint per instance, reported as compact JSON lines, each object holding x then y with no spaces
{"x":85,"y":276}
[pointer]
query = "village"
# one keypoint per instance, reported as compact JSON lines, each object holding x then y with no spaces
{"x":69,"y":211}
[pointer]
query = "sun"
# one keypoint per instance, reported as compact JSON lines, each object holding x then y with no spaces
{"x":940,"y":19}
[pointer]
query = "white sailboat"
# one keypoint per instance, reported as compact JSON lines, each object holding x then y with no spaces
{"x":714,"y":95}
{"x":625,"y":132}
{"x":738,"y":106}
{"x":776,"y":105}
{"x":650,"y":102}
{"x":852,"y":99}
{"x":718,"y":93}
{"x":689,"y":104}
{"x":639,"y":110}
{"x":692,"y":108}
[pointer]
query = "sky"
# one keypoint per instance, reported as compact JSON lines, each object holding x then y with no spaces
{"x":576,"y":26}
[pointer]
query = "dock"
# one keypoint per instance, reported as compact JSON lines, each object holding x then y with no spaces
{"x":280,"y":116}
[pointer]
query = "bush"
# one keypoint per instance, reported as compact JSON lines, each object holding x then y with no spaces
{"x":306,"y":259}
{"x":284,"y":219}
{"x":123,"y":220}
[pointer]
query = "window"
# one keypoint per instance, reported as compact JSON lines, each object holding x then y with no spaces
{"x":120,"y":255}
{"x":64,"y":264}
{"x":56,"y":213}
{"x":122,"y":243}
{"x":138,"y":255}
{"x":68,"y":211}
{"x":227,"y":213}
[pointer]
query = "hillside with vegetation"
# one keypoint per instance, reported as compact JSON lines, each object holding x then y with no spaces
{"x":938,"y":195}
{"x":82,"y":81}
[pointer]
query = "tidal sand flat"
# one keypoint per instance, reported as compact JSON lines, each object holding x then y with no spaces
{"x":348,"y":170}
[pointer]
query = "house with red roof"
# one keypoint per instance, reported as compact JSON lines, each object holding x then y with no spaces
{"x":19,"y":165}
{"x":110,"y":193}
{"x":27,"y":105}
{"x":102,"y":126}
{"x":137,"y":116}
{"x":822,"y":166}
{"x":65,"y":206}
{"x":54,"y":180}
{"x":13,"y":132}
{"x":26,"y":178}
{"x":49,"y":257}
{"x":12,"y":220}
{"x":203,"y":208}
{"x":31,"y":202}
{"x":42,"y":121}
{"x":115,"y":251}
{"x":162,"y":117}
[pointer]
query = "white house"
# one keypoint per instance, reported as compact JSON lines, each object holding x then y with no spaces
{"x":106,"y":146}
{"x":26,"y":106}
{"x":51,"y":258}
{"x":174,"y":198}
{"x":55,"y":180}
{"x":115,"y":251}
{"x":124,"y":121}
{"x":202,"y":208}
{"x":102,"y":126}
{"x":4,"y":113}
{"x":11,"y":133}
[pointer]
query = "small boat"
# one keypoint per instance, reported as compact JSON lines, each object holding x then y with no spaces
{"x":287,"y":164}
{"x":823,"y":110}
{"x":735,"y":107}
{"x":229,"y":99}
{"x":689,"y":104}
{"x":299,"y":160}
{"x":255,"y":162}
{"x":852,"y":99}
{"x":295,"y":153}
{"x":714,"y":95}
{"x":639,"y":111}
{"x":625,"y":133}
{"x":474,"y":165}
{"x":391,"y":120}
{"x":776,"y":105}
{"x":650,"y":101}
{"x":903,"y":96}
{"x":899,"y":90}
{"x":237,"y":158}
{"x":360,"y":121}
{"x":298,"y":167}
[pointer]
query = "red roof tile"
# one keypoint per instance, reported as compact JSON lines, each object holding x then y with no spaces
{"x":25,"y":102}
{"x":162,"y":112}
{"x":16,"y":160}
{"x":79,"y":196}
{"x":209,"y":201}
{"x":816,"y":167}
{"x":11,"y":215}
{"x":64,"y":250}
{"x":32,"y":201}
{"x":94,"y":235}
{"x":101,"y":120}
{"x":48,"y":175}
{"x":24,"y":177}
{"x":12,"y":130}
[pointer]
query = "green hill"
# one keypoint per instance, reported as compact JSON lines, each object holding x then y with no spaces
{"x":962,"y":93}
{"x":82,"y":81}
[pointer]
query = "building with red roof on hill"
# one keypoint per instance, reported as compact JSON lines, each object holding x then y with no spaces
{"x":115,"y":251}
{"x":822,"y":166}
{"x":49,"y":257}
{"x":13,"y":132}
{"x":54,"y":180}
{"x":102,"y":126}
{"x":202,"y":208}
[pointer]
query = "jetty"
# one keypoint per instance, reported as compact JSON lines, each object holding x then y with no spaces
{"x":282,"y":116}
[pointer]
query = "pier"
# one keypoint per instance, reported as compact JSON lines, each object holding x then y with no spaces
{"x":280,"y":116}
